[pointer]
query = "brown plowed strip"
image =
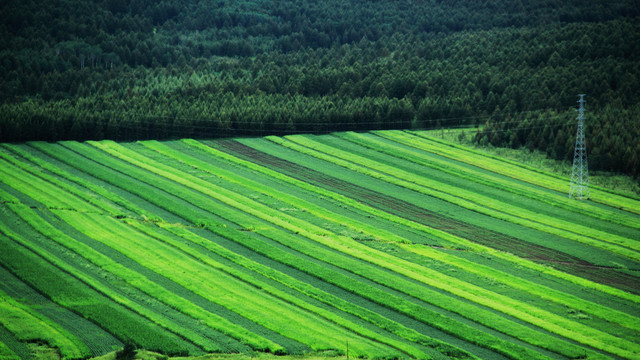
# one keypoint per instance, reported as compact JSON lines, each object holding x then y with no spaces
{"x":540,"y":254}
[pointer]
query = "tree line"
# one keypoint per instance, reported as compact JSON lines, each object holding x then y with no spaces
{"x":129,"y":70}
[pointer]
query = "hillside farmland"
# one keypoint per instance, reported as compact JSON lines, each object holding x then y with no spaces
{"x":393,"y":243}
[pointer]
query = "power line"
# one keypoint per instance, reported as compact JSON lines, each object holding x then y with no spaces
{"x":137,"y":118}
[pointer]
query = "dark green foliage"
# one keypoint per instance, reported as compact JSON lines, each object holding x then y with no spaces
{"x":128,"y":352}
{"x":125,"y":70}
{"x":611,"y":135}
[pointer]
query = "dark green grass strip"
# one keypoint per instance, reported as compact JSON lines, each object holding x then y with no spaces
{"x":409,"y":214}
{"x":514,"y":308}
{"x":470,"y":334}
{"x":11,"y":348}
{"x":463,"y":197}
{"x":69,"y":292}
{"x":521,"y":284}
{"x":398,"y":144}
{"x":97,"y":339}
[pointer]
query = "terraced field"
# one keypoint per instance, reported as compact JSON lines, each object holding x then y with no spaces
{"x":389,"y":244}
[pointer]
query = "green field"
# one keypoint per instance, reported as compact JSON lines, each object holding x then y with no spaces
{"x":388,"y":244}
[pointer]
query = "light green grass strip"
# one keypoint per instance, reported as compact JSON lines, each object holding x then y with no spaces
{"x":522,"y":284}
{"x":98,"y":190}
{"x":210,"y":281}
{"x":529,"y":174}
{"x":152,"y":289}
{"x":40,"y":225}
{"x":307,"y":289}
{"x":6,"y":353}
{"x":86,"y":196}
{"x":423,"y":228}
{"x":27,"y":325}
{"x":418,"y":156}
{"x":286,"y":221}
{"x":330,"y":316}
{"x":45,"y":193}
{"x":462,"y":197}
{"x":514,"y":308}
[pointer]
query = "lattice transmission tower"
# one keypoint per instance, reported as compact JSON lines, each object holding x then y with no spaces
{"x":579,"y":186}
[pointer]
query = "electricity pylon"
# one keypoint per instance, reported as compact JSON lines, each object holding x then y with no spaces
{"x":579,"y":187}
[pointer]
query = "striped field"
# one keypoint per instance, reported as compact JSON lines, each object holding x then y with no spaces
{"x":390,"y":244}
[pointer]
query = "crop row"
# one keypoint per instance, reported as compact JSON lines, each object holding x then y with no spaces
{"x":523,"y":172}
{"x":198,"y":216}
{"x":219,"y":211}
{"x":351,"y":203}
{"x":27,"y":325}
{"x":465,"y":198}
{"x":421,"y":156}
{"x":477,"y":295}
{"x":522,"y":284}
{"x":236,"y":217}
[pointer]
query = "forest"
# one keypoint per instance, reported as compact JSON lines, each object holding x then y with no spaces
{"x":131,"y":70}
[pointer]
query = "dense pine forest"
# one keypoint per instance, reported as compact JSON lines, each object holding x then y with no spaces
{"x":126,"y":70}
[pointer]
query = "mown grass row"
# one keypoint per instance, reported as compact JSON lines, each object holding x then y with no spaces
{"x":541,"y":318}
{"x":463,"y":331}
{"x":28,"y":325}
{"x":420,"y":155}
{"x":465,"y":198}
{"x":370,"y":231}
{"x":199,"y":217}
{"x":525,"y":172}
{"x":82,"y":294}
{"x":337,"y":260}
{"x":351,"y":203}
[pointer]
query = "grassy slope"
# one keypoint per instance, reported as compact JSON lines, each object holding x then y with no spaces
{"x":330,"y":230}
